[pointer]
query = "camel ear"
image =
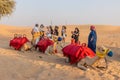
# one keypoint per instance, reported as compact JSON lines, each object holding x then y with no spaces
{"x":103,"y":47}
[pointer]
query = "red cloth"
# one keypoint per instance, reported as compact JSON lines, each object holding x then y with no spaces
{"x":77,"y":52}
{"x":17,"y":43}
{"x":44,"y":43}
{"x":24,"y":40}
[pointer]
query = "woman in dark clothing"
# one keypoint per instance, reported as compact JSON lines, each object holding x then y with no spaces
{"x":75,"y":35}
{"x":56,"y":31}
{"x":92,"y":39}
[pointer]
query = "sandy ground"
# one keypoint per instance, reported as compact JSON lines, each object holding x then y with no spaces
{"x":16,"y":65}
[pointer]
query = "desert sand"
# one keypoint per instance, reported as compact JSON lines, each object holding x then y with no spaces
{"x":16,"y":65}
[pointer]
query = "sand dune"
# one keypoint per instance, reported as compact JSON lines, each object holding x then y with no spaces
{"x":16,"y":65}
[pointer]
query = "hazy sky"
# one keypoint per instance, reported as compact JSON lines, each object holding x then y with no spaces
{"x":29,"y":12}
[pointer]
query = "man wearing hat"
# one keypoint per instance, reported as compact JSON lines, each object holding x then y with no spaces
{"x":92,"y":39}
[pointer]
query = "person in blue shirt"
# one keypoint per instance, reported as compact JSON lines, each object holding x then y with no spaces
{"x":92,"y":39}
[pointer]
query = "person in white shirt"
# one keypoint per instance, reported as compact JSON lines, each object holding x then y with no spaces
{"x":35,"y":29}
{"x":35,"y":33}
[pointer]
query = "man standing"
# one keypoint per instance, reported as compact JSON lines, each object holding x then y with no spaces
{"x":35,"y":34}
{"x":92,"y":39}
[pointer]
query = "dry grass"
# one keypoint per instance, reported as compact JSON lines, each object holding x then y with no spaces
{"x":6,"y":7}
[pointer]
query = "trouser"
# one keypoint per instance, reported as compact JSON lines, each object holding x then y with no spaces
{"x":35,"y":41}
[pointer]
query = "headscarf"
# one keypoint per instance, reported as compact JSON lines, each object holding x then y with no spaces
{"x":92,"y":27}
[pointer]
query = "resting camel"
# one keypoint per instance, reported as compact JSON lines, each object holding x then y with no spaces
{"x":101,"y":54}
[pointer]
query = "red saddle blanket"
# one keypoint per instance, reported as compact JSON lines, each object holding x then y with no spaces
{"x":17,"y":43}
{"x":77,"y":52}
{"x":44,"y":43}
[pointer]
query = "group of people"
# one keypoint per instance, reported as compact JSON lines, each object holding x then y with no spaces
{"x":39,"y":31}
